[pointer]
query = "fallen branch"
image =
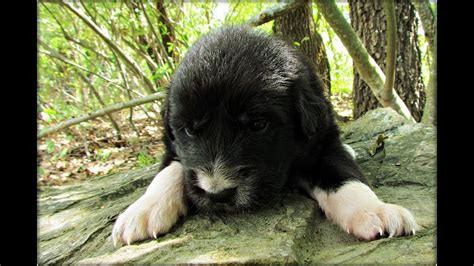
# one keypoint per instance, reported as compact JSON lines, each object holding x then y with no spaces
{"x":113,"y":108}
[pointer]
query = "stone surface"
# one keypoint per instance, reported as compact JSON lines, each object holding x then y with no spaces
{"x":76,"y":220}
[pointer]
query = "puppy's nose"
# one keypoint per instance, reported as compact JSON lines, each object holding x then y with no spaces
{"x":223,"y":196}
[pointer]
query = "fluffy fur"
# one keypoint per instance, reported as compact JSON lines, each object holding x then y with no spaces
{"x":246,"y":115}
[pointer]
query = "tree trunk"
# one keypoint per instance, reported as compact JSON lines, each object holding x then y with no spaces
{"x":368,"y":20}
{"x":369,"y":69}
{"x":297,"y":25}
{"x":428,"y":20}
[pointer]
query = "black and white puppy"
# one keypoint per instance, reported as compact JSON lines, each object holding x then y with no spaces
{"x":246,"y":115}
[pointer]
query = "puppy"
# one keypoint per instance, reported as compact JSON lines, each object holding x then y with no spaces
{"x":245,"y":116}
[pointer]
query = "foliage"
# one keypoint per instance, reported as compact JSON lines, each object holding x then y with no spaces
{"x":339,"y":59}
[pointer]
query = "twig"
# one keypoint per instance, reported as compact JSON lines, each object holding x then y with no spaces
{"x":272,"y":13}
{"x":101,"y":112}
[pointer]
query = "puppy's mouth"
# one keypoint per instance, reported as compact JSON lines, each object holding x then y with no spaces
{"x":218,"y":193}
{"x":227,"y":195}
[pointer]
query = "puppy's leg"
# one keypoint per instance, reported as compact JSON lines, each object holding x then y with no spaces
{"x":350,"y":150}
{"x":156,"y":211}
{"x":340,"y":191}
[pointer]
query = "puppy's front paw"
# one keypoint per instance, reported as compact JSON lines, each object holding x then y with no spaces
{"x":356,"y":208}
{"x":369,"y":223}
{"x":156,"y":211}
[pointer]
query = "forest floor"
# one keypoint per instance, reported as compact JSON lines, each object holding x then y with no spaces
{"x":92,"y":148}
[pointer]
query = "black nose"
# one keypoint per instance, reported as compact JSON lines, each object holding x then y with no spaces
{"x":223,"y":196}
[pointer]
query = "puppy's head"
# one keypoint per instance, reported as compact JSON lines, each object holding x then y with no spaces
{"x":238,"y":117}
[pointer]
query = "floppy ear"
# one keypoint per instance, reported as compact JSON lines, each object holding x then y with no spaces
{"x":165,"y":117}
{"x":313,"y":110}
{"x":168,"y":137}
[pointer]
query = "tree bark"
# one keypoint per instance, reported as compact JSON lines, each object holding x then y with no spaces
{"x":430,"y":113}
{"x":365,"y":64}
{"x":297,"y":25}
{"x":368,"y":20}
{"x":428,"y":20}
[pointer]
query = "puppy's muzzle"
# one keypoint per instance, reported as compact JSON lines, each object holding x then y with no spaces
{"x":217,"y":187}
{"x":223,"y":196}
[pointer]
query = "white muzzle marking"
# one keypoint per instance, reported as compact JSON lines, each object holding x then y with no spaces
{"x":213,"y":183}
{"x":217,"y":180}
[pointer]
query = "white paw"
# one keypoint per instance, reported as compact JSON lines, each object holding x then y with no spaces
{"x":356,"y":208}
{"x":350,"y":150}
{"x":156,"y":211}
{"x":370,"y":223}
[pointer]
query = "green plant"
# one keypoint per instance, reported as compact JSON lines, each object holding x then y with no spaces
{"x":102,"y":155}
{"x":49,"y":146}
{"x":144,"y":159}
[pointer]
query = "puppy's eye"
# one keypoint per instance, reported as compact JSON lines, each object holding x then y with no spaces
{"x":189,"y":132}
{"x":258,"y":126}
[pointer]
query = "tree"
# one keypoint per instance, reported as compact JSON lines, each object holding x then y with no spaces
{"x":297,"y":25}
{"x":428,"y":20}
{"x":368,"y":20}
{"x":369,"y":70}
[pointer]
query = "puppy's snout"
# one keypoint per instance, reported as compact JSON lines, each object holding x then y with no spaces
{"x":223,"y":196}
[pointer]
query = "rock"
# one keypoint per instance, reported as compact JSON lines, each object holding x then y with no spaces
{"x":76,"y":220}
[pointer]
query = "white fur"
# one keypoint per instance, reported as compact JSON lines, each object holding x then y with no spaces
{"x":217,"y":180}
{"x":356,"y":208}
{"x":350,"y":150}
{"x":156,"y":211}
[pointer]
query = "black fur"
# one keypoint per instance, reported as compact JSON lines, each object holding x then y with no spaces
{"x":232,"y":79}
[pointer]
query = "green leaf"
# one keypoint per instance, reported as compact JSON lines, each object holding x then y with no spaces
{"x":64,"y":153}
{"x":306,"y":38}
{"x":102,"y":155}
{"x":144,"y":159}
{"x":40,"y":171}
{"x":49,"y":146}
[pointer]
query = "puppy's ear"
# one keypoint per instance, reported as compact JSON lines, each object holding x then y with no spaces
{"x":313,"y":110}
{"x":168,"y":137}
{"x":166,"y":120}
